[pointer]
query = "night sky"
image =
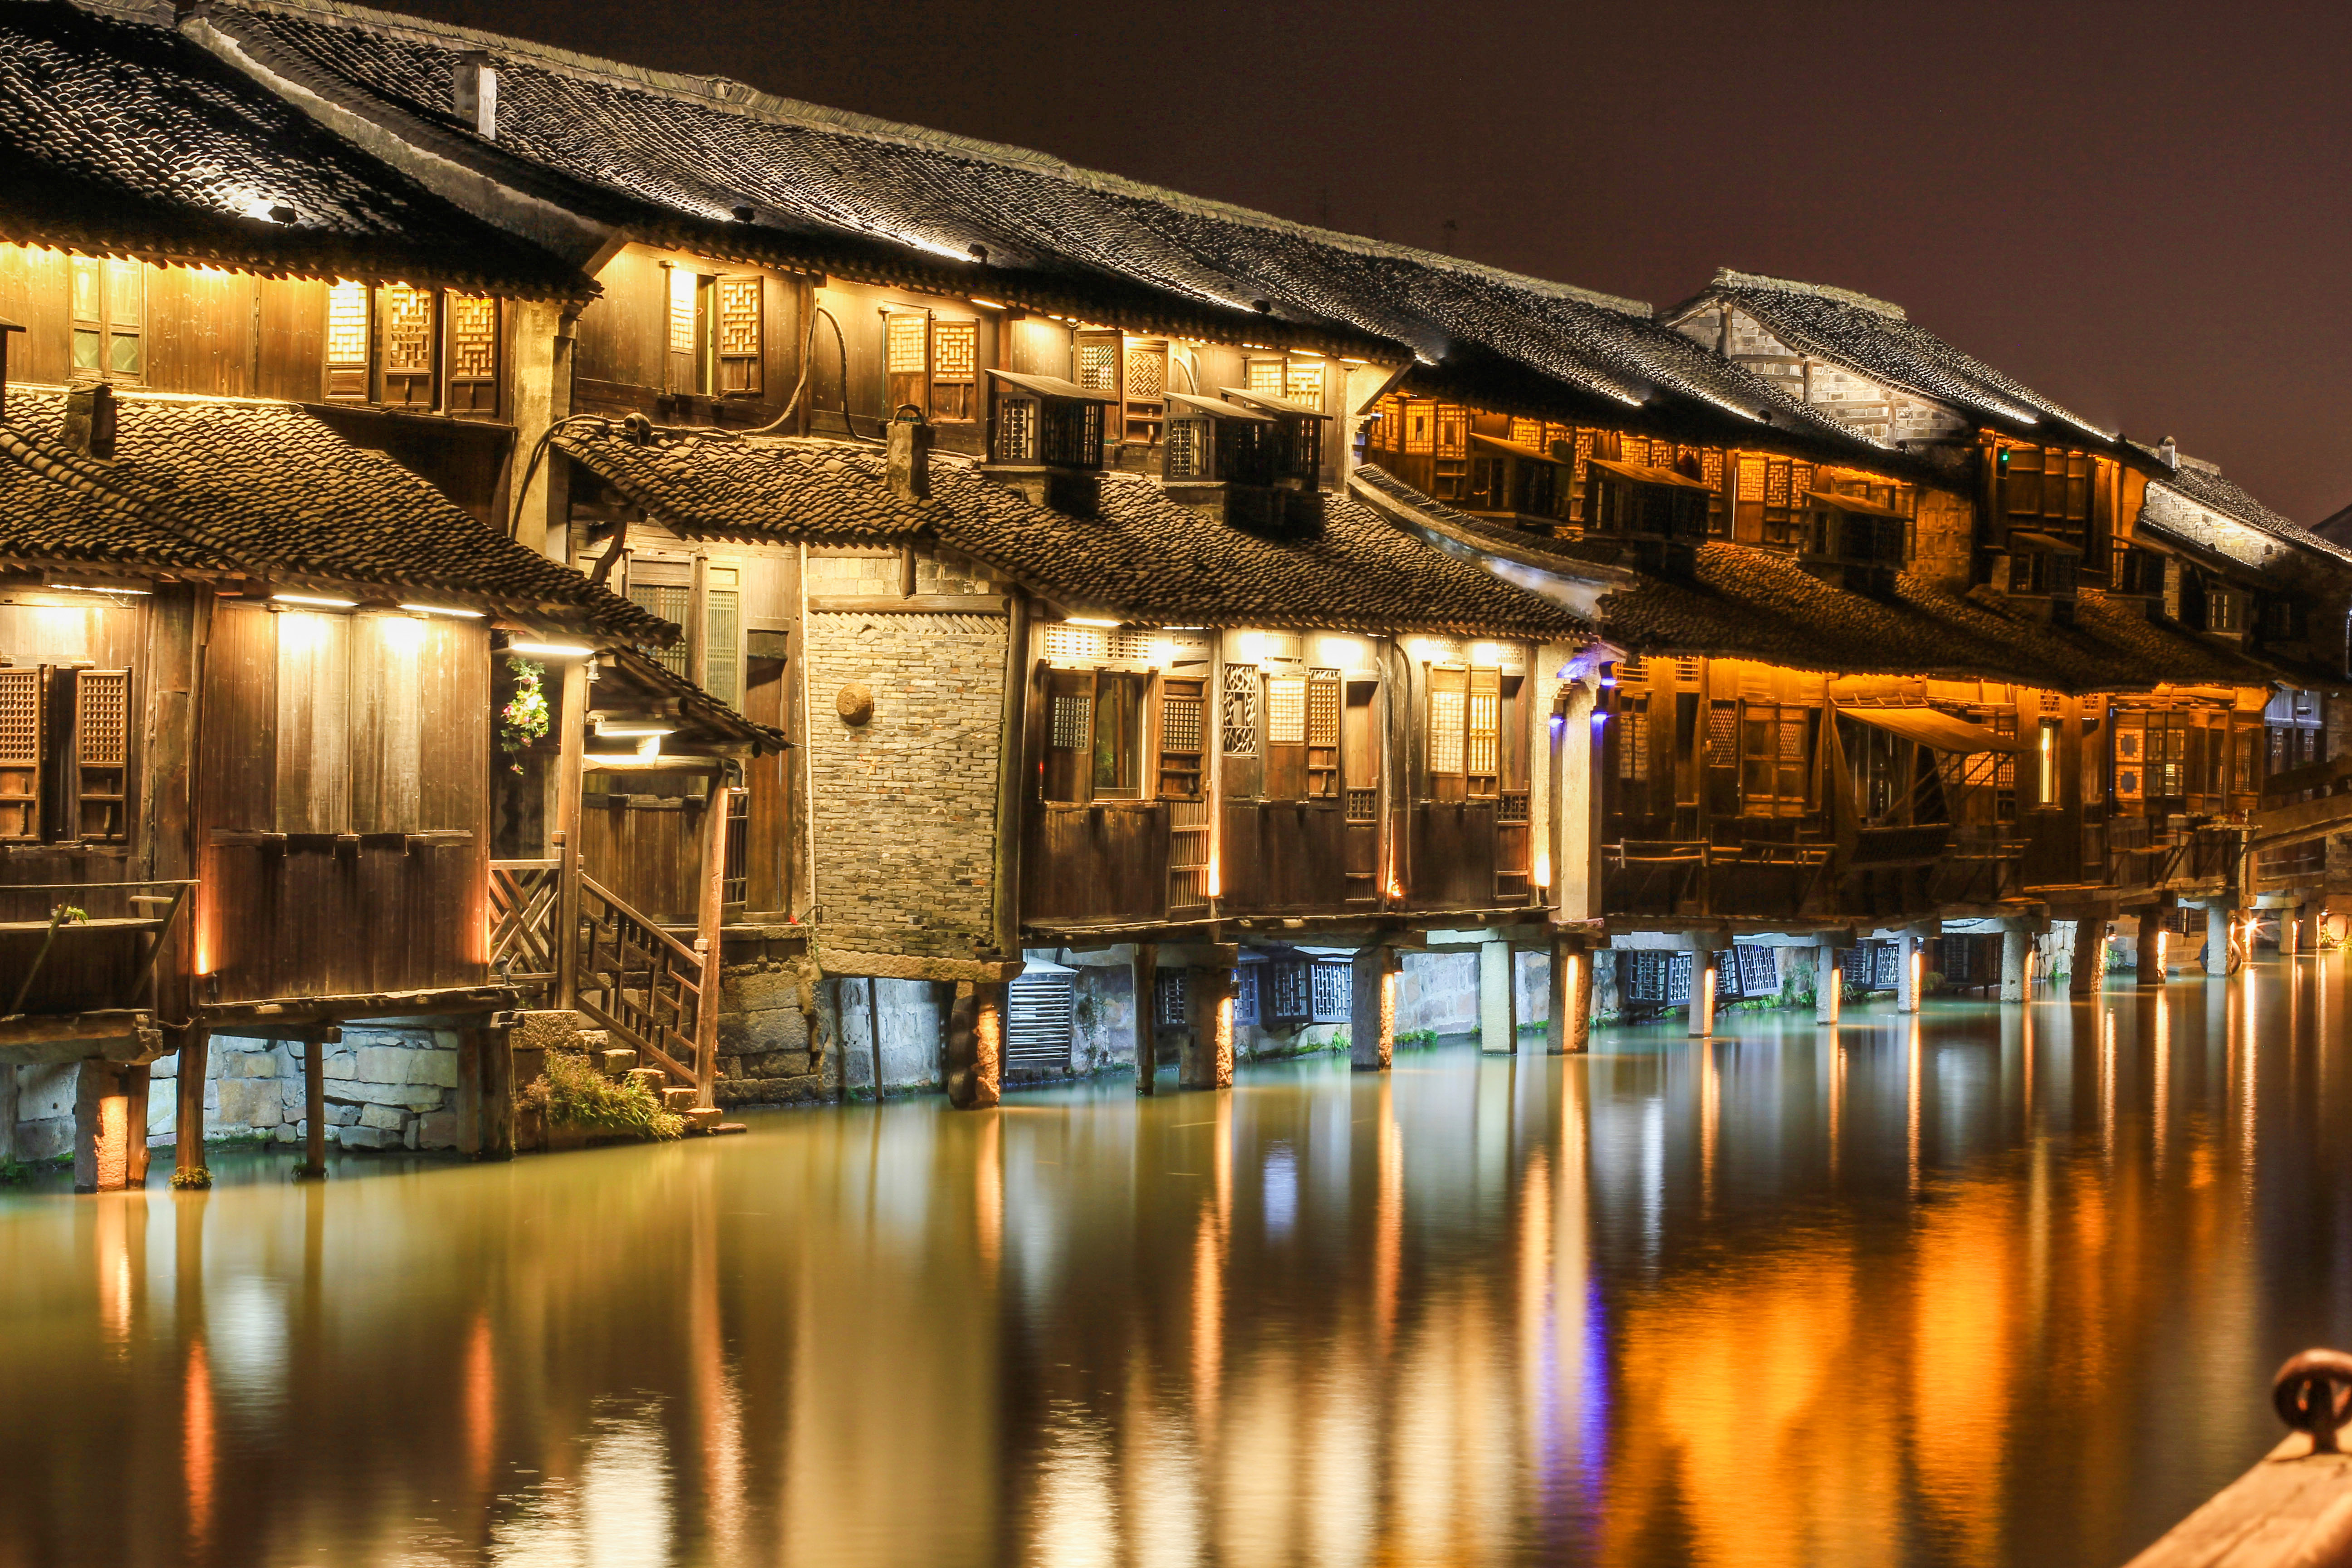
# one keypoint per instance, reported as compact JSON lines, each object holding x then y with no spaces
{"x":2140,"y":210}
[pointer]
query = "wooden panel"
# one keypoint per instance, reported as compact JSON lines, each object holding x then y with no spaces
{"x":33,"y":294}
{"x":314,"y":730}
{"x":86,"y":968}
{"x":1451,"y":862}
{"x":454,"y":781}
{"x":239,"y":773}
{"x":1283,"y":857}
{"x":1103,"y":862}
{"x":392,"y":686}
{"x":200,"y":331}
{"x":770,"y":783}
{"x":293,"y":332}
{"x":648,"y":854}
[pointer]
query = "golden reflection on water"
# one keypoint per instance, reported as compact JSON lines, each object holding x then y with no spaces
{"x":1976,"y":1287}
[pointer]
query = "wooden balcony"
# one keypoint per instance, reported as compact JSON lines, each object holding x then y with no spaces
{"x":325,"y":914}
{"x":88,"y":945}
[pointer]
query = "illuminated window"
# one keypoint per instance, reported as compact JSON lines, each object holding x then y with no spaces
{"x":682,"y":291}
{"x":1449,"y":701}
{"x":1453,"y":430}
{"x":955,"y":359}
{"x":1096,"y":358}
{"x":1285,"y":710}
{"x":1265,"y":377}
{"x":409,"y":318}
{"x":347,"y":341}
{"x":473,"y":356}
{"x":109,"y":317}
{"x":1528,"y":433}
{"x":86,"y":752}
{"x":1419,"y":425}
{"x":1303,"y":383}
{"x":1241,"y":711}
{"x":1485,"y":723}
{"x":740,"y":335}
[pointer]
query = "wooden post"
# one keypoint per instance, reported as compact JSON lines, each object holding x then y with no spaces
{"x":2151,"y":938}
{"x":963,"y":1048}
{"x":1371,"y":1009}
{"x":188,"y":1167}
{"x":1145,"y":971}
{"x":469,"y":1093}
{"x":1829,"y":985}
{"x":2310,"y":921}
{"x":710,"y":945}
{"x":1011,"y":796}
{"x":314,"y":1105}
{"x":101,"y":1128}
{"x":874,"y":1032}
{"x":496,"y":1136}
{"x":136,"y":1083}
{"x":1498,"y":1000}
{"x":2016,"y":956}
{"x":1570,"y":1032}
{"x":571,"y":747}
{"x":2090,"y":960}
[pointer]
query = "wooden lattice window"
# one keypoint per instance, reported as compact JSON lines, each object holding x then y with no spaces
{"x":109,"y":301}
{"x":1774,"y":758}
{"x":1483,"y":740}
{"x":1324,"y":694}
{"x":1265,"y":377}
{"x":1449,"y":701}
{"x":1453,"y":430}
{"x":1073,"y":728}
{"x":1168,"y":998}
{"x":906,"y":361}
{"x":347,"y":342}
{"x":1290,"y":995}
{"x":1723,"y":734}
{"x":406,"y":316}
{"x":741,"y":338}
{"x":722,"y":622}
{"x":1633,"y":741}
{"x":1144,"y":389}
{"x":1387,"y":424}
{"x":1017,"y":429}
{"x":473,"y":356}
{"x":1419,"y":425}
{"x":21,"y":692}
{"x":1241,"y":711}
{"x":102,"y":754}
{"x":664,"y":588}
{"x":955,"y":369}
{"x":688,"y":331}
{"x":1528,"y":433}
{"x":1181,"y":721}
{"x":1187,"y":446}
{"x":1303,"y":384}
{"x":1285,"y":710}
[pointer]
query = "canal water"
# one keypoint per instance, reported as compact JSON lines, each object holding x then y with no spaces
{"x":1988,"y":1285}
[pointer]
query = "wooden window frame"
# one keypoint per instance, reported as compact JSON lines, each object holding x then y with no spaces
{"x":385,"y":318}
{"x":472,"y":396}
{"x":740,"y":361}
{"x":349,"y":375}
{"x":955,"y":377}
{"x":68,"y":752}
{"x":906,"y":361}
{"x":692,"y":345}
{"x":103,"y":324}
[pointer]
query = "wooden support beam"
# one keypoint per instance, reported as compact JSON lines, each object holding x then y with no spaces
{"x":1906,"y":972}
{"x":1145,"y":968}
{"x":711,"y":947}
{"x":1371,"y":1009}
{"x":314,"y":1107}
{"x":194,"y":1045}
{"x":497,"y":1135}
{"x":572,"y":746}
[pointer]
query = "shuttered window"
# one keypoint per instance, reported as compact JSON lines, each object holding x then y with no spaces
{"x":407,"y":319}
{"x":1325,"y":695}
{"x":687,"y":336}
{"x":1448,"y":706}
{"x":108,"y":301}
{"x":1040,"y":1021}
{"x":907,"y":361}
{"x":955,"y":370}
{"x":20,"y":754}
{"x":65,"y":755}
{"x":101,"y":760}
{"x":1241,"y":711}
{"x":1285,"y":710}
{"x":722,"y":624}
{"x":1483,"y":740}
{"x":740,"y":335}
{"x":473,"y":356}
{"x":347,"y":342}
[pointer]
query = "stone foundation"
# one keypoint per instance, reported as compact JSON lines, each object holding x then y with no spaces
{"x":386,"y":1089}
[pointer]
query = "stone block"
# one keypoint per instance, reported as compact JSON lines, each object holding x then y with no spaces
{"x":46,"y":1090}
{"x":384,"y":1064}
{"x":414,"y":1096}
{"x":438,"y":1131}
{"x":368,"y":1138}
{"x":388,"y":1118}
{"x":249,"y":1103}
{"x":45,"y":1139}
{"x":252,"y":1064}
{"x":341,"y":1066}
{"x":437,"y":1067}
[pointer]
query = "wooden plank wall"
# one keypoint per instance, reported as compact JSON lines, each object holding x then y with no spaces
{"x":646,"y":846}
{"x":1105,"y":861}
{"x":219,"y":334}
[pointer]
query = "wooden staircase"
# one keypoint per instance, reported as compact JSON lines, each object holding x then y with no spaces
{"x":574,"y":1032}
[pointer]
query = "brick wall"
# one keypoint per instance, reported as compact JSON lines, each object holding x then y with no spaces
{"x":905,"y":806}
{"x":1944,"y":539}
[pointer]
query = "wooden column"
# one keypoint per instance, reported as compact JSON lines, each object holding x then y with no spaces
{"x":2016,"y":961}
{"x":101,"y":1128}
{"x":1701,"y":984}
{"x":1906,"y":973}
{"x":963,"y":1048}
{"x":1011,"y":796}
{"x":1498,"y":1000}
{"x":1570,"y":1031}
{"x":314,"y":1105}
{"x":196,"y":1049}
{"x":710,"y":946}
{"x":496,"y":1137}
{"x":2090,"y":959}
{"x":2151,"y":933}
{"x":572,"y":746}
{"x":137,"y":1080}
{"x":1371,"y":1009}
{"x":1145,"y":969}
{"x":469,"y":1107}
{"x":1829,"y":985}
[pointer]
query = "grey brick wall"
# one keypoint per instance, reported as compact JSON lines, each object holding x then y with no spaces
{"x":905,"y":806}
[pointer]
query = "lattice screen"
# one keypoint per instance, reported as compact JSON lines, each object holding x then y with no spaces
{"x":1266,"y":377}
{"x":1185,"y":447}
{"x":738,"y":316}
{"x":906,"y":349}
{"x":347,"y":322}
{"x":1146,"y":370}
{"x":1303,"y":383}
{"x":1179,"y":725}
{"x":1017,"y":429}
{"x":408,"y":345}
{"x":1073,"y":722}
{"x":1331,"y":999}
{"x":681,"y":311}
{"x":473,"y":335}
{"x":1323,"y":708}
{"x":20,"y":754}
{"x":1098,"y":366}
{"x":1448,"y":703}
{"x":101,"y":716}
{"x":1485,"y":721}
{"x":1241,"y":711}
{"x":1285,"y":710}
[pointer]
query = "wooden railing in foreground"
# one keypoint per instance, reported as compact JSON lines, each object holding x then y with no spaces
{"x":522,"y":921}
{"x":2295,"y":1506}
{"x":640,"y":984}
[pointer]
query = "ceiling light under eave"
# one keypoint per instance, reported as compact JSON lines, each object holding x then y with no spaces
{"x":320,"y":601}
{"x":552,"y":649}
{"x":442,"y":610}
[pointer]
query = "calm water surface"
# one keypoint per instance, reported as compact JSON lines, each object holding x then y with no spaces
{"x":1981,"y":1287}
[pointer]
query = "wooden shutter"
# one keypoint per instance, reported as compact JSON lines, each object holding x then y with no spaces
{"x":1182,"y":716}
{"x":664,"y":588}
{"x":1069,"y":734}
{"x":907,"y":358}
{"x":1143,"y":389}
{"x":21,"y":729}
{"x":348,"y":335}
{"x":1482,"y":757}
{"x":722,"y":624}
{"x":1240,"y":724}
{"x":1264,"y":377}
{"x":1325,"y":695}
{"x":1285,"y":735}
{"x":101,"y":700}
{"x":405,"y":317}
{"x":955,"y":369}
{"x":473,"y":356}
{"x":1096,"y":362}
{"x":739,"y":336}
{"x":686,"y":330}
{"x":1449,"y":702}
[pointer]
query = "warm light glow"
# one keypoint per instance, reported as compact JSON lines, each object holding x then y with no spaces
{"x":442,"y":610}
{"x":552,"y":649}
{"x":2161,"y":968}
{"x":987,"y":304}
{"x":1211,"y":879}
{"x":320,"y":599}
{"x":1543,"y":869}
{"x":1487,"y":653}
{"x":632,"y":732}
{"x":1089,"y":621}
{"x":90,"y":588}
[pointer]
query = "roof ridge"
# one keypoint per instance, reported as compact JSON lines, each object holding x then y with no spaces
{"x":1725,"y":277}
{"x":726,"y":92}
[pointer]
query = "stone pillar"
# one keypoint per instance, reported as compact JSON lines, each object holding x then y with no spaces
{"x":1906,"y":973}
{"x":1207,"y":1056}
{"x":1372,"y":1009}
{"x":1829,"y":985}
{"x":1145,"y":971}
{"x":1498,"y":1000}
{"x":2016,"y":963}
{"x":2090,"y":955}
{"x":2151,"y":933}
{"x":975,"y":1045}
{"x":101,"y":1128}
{"x":1570,"y":1031}
{"x":2309,"y":920}
{"x":1702,"y":990}
{"x":2218,"y":918}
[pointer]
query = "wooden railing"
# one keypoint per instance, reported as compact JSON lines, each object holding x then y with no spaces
{"x":641,"y":985}
{"x":522,"y":922}
{"x":60,"y":954}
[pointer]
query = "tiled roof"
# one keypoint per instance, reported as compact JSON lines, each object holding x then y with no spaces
{"x":265,"y":489}
{"x":1880,"y":340}
{"x":1143,"y":557}
{"x":121,"y":138}
{"x":892,"y":203}
{"x":2202,"y":483}
{"x":1742,"y":601}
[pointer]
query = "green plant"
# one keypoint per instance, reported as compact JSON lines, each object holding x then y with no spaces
{"x":570,"y":1093}
{"x":1415,"y":1038}
{"x":17,"y":1172}
{"x":524,"y":718}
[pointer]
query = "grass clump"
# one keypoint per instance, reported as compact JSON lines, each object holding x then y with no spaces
{"x":570,"y":1093}
{"x":18,"y":1173}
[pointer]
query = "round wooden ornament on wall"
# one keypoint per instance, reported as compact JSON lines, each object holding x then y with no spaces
{"x":855,"y":703}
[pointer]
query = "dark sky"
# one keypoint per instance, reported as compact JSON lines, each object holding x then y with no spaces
{"x":2139,"y":210}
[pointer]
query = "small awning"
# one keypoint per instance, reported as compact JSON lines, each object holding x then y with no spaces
{"x":1860,"y":505}
{"x":2049,"y":542}
{"x":1215,"y":409}
{"x":1645,"y":476}
{"x":1932,"y":727}
{"x":1242,"y":395}
{"x":1516,"y":449}
{"x":1051,"y":386}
